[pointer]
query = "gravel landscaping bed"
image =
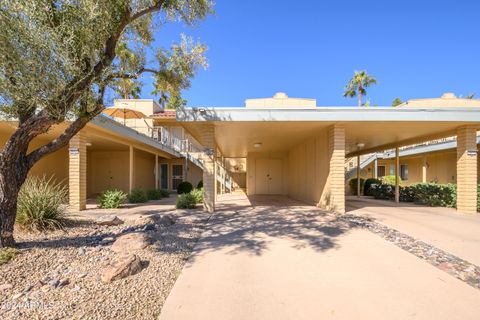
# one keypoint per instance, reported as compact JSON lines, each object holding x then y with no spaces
{"x":457,"y":267}
{"x":58,"y":275}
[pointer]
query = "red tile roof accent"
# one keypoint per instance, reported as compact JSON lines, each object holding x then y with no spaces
{"x":166,"y":114}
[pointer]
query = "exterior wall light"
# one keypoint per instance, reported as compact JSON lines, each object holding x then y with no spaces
{"x":257,"y":145}
{"x":360,"y":145}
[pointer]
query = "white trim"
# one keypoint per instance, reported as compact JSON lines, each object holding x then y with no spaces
{"x":332,"y":114}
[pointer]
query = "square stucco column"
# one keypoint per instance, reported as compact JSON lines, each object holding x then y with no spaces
{"x":336,"y":182}
{"x":209,"y":168}
{"x":77,"y":172}
{"x":467,"y":169}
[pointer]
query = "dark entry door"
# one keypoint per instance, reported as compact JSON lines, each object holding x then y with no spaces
{"x":164,"y":176}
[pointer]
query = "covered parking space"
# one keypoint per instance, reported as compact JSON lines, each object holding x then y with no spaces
{"x":301,"y":153}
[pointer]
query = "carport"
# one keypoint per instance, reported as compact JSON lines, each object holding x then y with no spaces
{"x":301,"y":152}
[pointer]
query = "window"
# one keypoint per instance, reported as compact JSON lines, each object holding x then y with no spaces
{"x":380,"y":171}
{"x":404,"y":172}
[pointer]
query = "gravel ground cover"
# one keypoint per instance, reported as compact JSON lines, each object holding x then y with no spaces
{"x":57,"y":275}
{"x":455,"y":266}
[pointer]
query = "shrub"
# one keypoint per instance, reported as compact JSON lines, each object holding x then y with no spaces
{"x":368,"y":185}
{"x":154,"y":194}
{"x":111,"y":199}
{"x":186,"y":201}
{"x":164,"y":193}
{"x":390,"y":180}
{"x":407,"y":194}
{"x":137,"y":196}
{"x":184,"y":187}
{"x":353,"y":185}
{"x":200,"y":184}
{"x":383,"y":191}
{"x":41,"y":204}
{"x":198,"y":194}
{"x":478,"y":197}
{"x":435,"y":195}
{"x":7,"y":254}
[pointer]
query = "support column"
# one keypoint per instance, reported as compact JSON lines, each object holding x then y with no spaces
{"x":77,"y":172}
{"x":209,"y":168}
{"x":375,"y":168}
{"x":467,"y":169}
{"x":156,"y":172}
{"x":130,"y":169}
{"x":358,"y":177}
{"x":424,"y":169}
{"x":397,"y":180}
{"x":333,"y":198}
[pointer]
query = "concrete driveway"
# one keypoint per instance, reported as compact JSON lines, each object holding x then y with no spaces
{"x":275,"y":258}
{"x":444,"y":228}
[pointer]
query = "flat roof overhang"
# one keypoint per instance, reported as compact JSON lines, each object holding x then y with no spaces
{"x":106,"y":134}
{"x":378,"y":128}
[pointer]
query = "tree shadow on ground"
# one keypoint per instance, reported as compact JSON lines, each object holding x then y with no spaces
{"x":252,"y":224}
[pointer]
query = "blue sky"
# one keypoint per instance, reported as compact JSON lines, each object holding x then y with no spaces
{"x":310,"y":49}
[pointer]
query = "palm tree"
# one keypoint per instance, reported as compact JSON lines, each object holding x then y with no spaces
{"x":396,"y":102}
{"x":357,"y":85}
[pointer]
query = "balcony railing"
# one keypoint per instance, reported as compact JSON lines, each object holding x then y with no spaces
{"x":187,"y":149}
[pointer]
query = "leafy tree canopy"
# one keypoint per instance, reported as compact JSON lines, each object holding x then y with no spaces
{"x":61,"y":56}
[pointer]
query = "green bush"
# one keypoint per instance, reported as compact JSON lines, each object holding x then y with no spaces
{"x":111,"y":199}
{"x":198,"y":194}
{"x":137,"y":196}
{"x":164,"y":193}
{"x":383,"y":192}
{"x":353,"y":185}
{"x":435,"y":195}
{"x":184,"y":187}
{"x":478,"y":197}
{"x":407,"y":194}
{"x":186,"y":201}
{"x":430,"y":194}
{"x":200,"y":184}
{"x":7,"y":254}
{"x":390,"y":180}
{"x":368,"y":186}
{"x":41,"y":204}
{"x":154,"y":194}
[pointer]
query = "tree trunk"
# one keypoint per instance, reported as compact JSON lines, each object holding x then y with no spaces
{"x":359,"y":99}
{"x":11,"y":179}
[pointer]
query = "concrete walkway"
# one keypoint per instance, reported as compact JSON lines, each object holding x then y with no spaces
{"x":280,"y":259}
{"x":444,"y":228}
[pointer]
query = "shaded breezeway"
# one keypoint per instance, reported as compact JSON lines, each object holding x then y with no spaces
{"x":275,"y":258}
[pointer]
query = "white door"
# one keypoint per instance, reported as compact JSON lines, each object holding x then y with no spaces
{"x":268,"y":176}
{"x":275,"y":183}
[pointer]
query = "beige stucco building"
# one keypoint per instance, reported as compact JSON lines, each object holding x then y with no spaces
{"x":294,"y":148}
{"x":153,"y":151}
{"x":279,"y":145}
